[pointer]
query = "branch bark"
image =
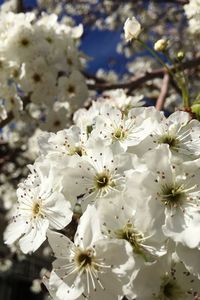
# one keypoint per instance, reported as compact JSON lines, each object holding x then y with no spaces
{"x":163,"y":92}
{"x":137,"y":81}
{"x":19,"y":6}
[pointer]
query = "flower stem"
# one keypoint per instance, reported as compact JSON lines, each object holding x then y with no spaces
{"x":182,"y":84}
{"x":156,"y":56}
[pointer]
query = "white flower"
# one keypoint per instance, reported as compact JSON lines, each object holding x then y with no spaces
{"x":132,"y":29}
{"x":123,"y":218}
{"x":91,"y":267}
{"x":98,"y":174}
{"x":40,"y":79}
{"x":36,"y":286}
{"x":40,"y":206}
{"x":35,"y":54}
{"x":120,"y":100}
{"x":192,"y":11}
{"x":177,"y":131}
{"x":5,"y":265}
{"x":73,"y":89}
{"x":174,"y":191}
{"x":165,"y":279}
{"x":65,"y":142}
{"x":54,"y":120}
{"x":116,"y":128}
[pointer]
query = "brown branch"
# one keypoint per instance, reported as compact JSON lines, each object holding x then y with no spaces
{"x":137,"y":81}
{"x":9,"y":118}
{"x":182,"y":2}
{"x":19,"y":6}
{"x":163,"y":92}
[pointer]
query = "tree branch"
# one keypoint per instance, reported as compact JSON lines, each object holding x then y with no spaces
{"x":137,"y":81}
{"x":163,"y":92}
{"x":19,"y":6}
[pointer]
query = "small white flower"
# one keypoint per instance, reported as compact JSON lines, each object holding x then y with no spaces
{"x":119,"y":220}
{"x":40,"y":206}
{"x":177,"y":131}
{"x":91,"y":267}
{"x":73,"y":89}
{"x":132,"y":29}
{"x":65,"y":143}
{"x":36,"y":286}
{"x":175,"y":193}
{"x":121,"y":101}
{"x":98,"y":174}
{"x":115,"y":127}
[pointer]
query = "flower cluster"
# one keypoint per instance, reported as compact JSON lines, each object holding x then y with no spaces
{"x":135,"y":174}
{"x":192,"y":10}
{"x":40,"y":67}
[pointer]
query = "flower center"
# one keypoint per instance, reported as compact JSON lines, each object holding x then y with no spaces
{"x":119,"y":134}
{"x":36,"y":77}
{"x":24,"y":42}
{"x":170,"y":289}
{"x":49,"y":39}
{"x":89,"y":129}
{"x":71,"y":90}
{"x":170,"y":140}
{"x":172,"y":196}
{"x":84,"y":258}
{"x":132,"y":235}
{"x":76,"y":150}
{"x":37,"y":209}
{"x":102,"y":180}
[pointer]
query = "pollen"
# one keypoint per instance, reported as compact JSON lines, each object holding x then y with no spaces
{"x":84,"y":258}
{"x":170,"y":140}
{"x":172,"y":195}
{"x":132,"y":235}
{"x":76,"y":151}
{"x":103,"y":180}
{"x":119,"y":134}
{"x":37,"y":209}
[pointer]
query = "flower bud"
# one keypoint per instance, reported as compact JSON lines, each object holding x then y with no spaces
{"x":180,"y":55}
{"x":132,"y":29}
{"x":160,"y":45}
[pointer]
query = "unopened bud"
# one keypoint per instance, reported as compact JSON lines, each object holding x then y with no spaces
{"x":161,"y":45}
{"x":132,"y":29}
{"x":180,"y":55}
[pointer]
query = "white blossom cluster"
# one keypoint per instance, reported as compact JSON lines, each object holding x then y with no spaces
{"x":40,"y":64}
{"x":192,"y":11}
{"x":135,"y":174}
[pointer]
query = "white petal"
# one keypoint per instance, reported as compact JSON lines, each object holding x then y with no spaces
{"x":32,"y":240}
